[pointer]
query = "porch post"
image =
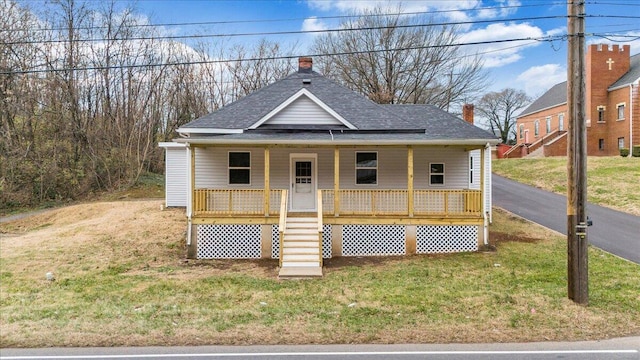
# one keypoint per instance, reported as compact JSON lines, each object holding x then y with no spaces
{"x":336,"y":181}
{"x":410,"y":180}
{"x":267,"y":185}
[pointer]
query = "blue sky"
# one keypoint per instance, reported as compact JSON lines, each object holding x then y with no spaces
{"x":531,"y":66}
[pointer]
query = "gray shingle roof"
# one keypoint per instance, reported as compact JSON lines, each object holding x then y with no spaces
{"x":555,"y":96}
{"x":422,"y":121}
{"x":632,"y":75}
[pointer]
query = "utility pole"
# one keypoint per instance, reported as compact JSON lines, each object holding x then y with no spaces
{"x":577,"y":242}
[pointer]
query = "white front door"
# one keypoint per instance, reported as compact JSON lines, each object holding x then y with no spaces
{"x":303,"y":182}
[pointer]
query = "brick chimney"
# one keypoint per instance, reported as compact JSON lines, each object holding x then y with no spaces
{"x":467,"y":113}
{"x":305,"y":64}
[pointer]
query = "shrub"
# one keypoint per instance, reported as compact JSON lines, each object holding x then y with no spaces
{"x":624,"y":152}
{"x":636,"y":151}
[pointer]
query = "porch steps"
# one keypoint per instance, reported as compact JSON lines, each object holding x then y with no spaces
{"x":300,"y":249}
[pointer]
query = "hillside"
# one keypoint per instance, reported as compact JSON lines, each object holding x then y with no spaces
{"x":611,"y":181}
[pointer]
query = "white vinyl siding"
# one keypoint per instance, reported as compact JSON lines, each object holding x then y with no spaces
{"x":176,"y":176}
{"x":456,"y":164}
{"x":211,"y":167}
{"x":303,"y":111}
{"x":279,"y":167}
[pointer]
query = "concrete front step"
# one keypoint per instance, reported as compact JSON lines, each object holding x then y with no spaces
{"x":293,"y":272}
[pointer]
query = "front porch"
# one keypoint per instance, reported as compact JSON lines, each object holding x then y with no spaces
{"x":400,"y":208}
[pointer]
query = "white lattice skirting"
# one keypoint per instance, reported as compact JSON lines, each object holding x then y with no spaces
{"x":373,"y":240}
{"x":228,"y":241}
{"x":446,"y":238}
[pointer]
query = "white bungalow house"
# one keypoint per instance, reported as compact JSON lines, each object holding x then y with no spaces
{"x":306,"y":169}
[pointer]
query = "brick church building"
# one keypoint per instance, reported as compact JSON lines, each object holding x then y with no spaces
{"x":612,"y":108}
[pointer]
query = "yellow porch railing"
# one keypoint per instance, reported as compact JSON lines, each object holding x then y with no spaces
{"x":234,"y":202}
{"x":250,"y":202}
{"x":395,"y":202}
{"x":448,"y":202}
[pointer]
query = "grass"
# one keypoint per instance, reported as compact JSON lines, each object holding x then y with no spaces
{"x":148,"y":186}
{"x":611,"y":181}
{"x":121,"y":279}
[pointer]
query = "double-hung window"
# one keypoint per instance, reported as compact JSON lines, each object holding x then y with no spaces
{"x":366,"y":168}
{"x":621,"y":111}
{"x":548,"y":124}
{"x":239,"y":168}
{"x":436,"y":174}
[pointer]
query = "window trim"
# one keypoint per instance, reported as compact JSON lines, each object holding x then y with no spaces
{"x":356,"y":167}
{"x":229,"y":168}
{"x":470,"y":170}
{"x":547,"y":123}
{"x":521,"y":131}
{"x":618,"y":107}
{"x":431,"y":174}
{"x":561,"y":122}
{"x":601,"y":116}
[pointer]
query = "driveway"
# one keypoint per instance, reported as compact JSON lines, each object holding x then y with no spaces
{"x":612,"y":231}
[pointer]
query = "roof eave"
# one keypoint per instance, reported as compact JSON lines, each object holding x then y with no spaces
{"x":339,"y":142}
{"x":543,"y":109}
{"x":187,"y":130}
{"x":621,"y":86}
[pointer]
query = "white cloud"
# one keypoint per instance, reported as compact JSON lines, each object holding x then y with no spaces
{"x":538,"y":79}
{"x":348,"y":6}
{"x":502,"y":53}
{"x":313,"y":24}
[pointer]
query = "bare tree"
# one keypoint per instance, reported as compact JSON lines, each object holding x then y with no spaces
{"x":400,"y":59}
{"x":500,"y":108}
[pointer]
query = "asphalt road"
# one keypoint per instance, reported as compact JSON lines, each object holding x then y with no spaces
{"x":614,"y":349}
{"x":612,"y":231}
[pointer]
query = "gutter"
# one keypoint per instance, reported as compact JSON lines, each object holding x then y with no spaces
{"x":363,"y":142}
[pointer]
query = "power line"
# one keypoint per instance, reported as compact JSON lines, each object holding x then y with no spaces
{"x":283,"y":57}
{"x":297,"y":32}
{"x":257,"y":21}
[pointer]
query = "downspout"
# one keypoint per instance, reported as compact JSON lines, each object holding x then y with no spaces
{"x":189,"y":192}
{"x":483,"y":182}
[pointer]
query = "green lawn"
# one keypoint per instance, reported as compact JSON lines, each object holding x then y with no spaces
{"x":127,"y":284}
{"x":611,"y":181}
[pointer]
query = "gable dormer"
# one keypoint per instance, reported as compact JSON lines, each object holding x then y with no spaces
{"x":303,"y":109}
